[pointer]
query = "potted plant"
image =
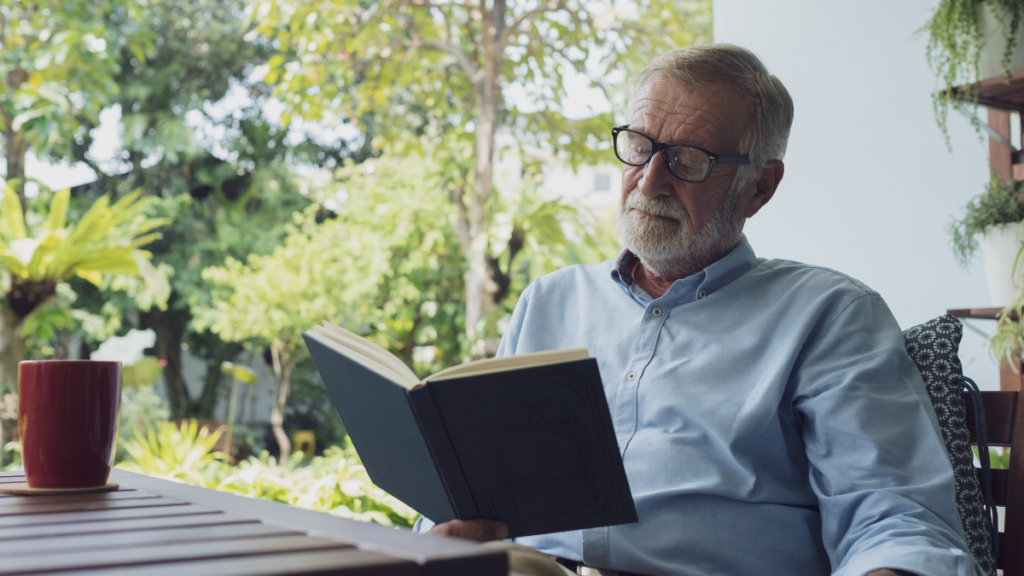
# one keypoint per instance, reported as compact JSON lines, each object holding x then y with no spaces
{"x":992,"y":222}
{"x":968,"y":41}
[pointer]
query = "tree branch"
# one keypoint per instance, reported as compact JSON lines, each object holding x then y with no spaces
{"x":95,"y":168}
{"x":465,"y":64}
{"x":529,"y":15}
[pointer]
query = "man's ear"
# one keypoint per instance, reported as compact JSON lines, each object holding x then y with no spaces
{"x":764,"y":187}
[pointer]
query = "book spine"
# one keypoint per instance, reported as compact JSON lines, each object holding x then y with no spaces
{"x":447,"y":463}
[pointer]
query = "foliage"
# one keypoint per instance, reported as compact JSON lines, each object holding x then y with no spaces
{"x":335,"y":483}
{"x":168,"y":451}
{"x":424,"y":72}
{"x":534,"y":236}
{"x":998,"y":460}
{"x":107,"y":239}
{"x":197,"y":136}
{"x":1001,"y":203}
{"x":955,"y":42}
{"x":400,"y":203}
{"x":14,"y":449}
{"x":141,"y":407}
{"x":60,"y":51}
{"x":1008,"y":341}
{"x":59,"y":63}
{"x":327,"y":271}
{"x":421,"y":67}
{"x":322,"y":272}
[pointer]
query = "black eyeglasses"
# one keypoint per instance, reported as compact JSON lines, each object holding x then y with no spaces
{"x":688,"y":163}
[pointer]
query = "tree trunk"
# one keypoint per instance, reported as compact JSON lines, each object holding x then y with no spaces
{"x":15,"y":144}
{"x":12,"y":347}
{"x":480,"y":289}
{"x":214,"y":380}
{"x":282,"y":372}
{"x":169,"y":327}
{"x":12,"y":351}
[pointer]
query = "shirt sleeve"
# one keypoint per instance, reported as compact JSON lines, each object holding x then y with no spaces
{"x":510,"y":339}
{"x":878,"y":465}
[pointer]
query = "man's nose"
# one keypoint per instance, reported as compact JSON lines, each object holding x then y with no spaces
{"x":656,"y":180}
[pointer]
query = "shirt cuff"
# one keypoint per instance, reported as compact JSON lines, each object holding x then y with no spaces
{"x":422,"y":525}
{"x":914,"y":560}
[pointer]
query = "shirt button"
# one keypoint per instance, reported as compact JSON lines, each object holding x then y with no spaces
{"x":631,"y":376}
{"x":656,"y":311}
{"x":702,"y":294}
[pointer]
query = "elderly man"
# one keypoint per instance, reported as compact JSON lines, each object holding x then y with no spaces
{"x":769,"y":419}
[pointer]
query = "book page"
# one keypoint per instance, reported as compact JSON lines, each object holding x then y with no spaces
{"x":375,"y":351}
{"x":366,"y":353}
{"x":512,"y":362}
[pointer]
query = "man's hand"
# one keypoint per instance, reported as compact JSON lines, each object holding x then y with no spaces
{"x":477,"y":530}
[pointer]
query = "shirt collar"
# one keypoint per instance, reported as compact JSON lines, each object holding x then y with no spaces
{"x":716,"y":276}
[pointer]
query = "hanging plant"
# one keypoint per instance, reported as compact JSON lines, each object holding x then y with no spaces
{"x":956,"y":38}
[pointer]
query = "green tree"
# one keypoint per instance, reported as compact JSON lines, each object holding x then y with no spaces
{"x":322,"y":272}
{"x":194,"y":136}
{"x":389,"y":266}
{"x":439,"y":70}
{"x":58,"y":63}
{"x":418,"y":301}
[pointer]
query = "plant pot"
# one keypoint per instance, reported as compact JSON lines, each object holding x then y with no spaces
{"x":990,"y":61}
{"x":999,"y":247}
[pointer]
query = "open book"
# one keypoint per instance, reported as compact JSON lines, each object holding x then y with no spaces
{"x":527,"y":440}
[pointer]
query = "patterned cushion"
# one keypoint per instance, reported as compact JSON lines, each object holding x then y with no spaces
{"x":933,"y":347}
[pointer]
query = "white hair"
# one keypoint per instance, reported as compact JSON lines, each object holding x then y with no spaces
{"x":738,"y":68}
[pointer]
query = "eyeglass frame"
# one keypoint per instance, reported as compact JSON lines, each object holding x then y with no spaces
{"x":656,"y":147}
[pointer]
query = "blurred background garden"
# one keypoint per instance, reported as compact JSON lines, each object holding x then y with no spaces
{"x":187,"y":185}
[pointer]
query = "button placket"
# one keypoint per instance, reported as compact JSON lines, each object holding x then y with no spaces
{"x":625,"y":406}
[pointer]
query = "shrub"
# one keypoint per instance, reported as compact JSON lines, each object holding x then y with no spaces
{"x":335,"y":483}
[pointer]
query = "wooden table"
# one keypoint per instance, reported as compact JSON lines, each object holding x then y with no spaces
{"x":153,"y":527}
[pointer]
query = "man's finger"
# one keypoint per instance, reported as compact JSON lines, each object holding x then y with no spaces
{"x":476,"y":530}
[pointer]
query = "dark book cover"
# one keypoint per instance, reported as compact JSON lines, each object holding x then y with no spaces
{"x":537,"y":447}
{"x":532,"y":447}
{"x":380,"y":420}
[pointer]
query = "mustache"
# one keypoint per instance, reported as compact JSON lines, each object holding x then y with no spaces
{"x":665,"y":206}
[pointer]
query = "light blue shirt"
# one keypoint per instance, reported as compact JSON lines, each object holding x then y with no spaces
{"x":769,"y":419}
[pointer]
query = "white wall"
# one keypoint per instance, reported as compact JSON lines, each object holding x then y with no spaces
{"x":870,"y":186}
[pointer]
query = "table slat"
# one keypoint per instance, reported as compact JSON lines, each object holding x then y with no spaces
{"x":155,"y":554}
{"x":350,"y":562}
{"x":22,"y":508}
{"x":435,"y":555}
{"x":65,"y":544}
{"x":207,"y":518}
{"x":121,"y":489}
{"x":94,"y":515}
{"x":18,"y":499}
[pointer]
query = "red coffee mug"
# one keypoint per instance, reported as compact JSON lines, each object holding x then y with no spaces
{"x":67,"y":415}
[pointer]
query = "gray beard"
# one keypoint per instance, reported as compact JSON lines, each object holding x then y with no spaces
{"x":667,"y":246}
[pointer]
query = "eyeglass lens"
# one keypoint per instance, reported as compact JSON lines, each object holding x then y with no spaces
{"x":685,"y":162}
